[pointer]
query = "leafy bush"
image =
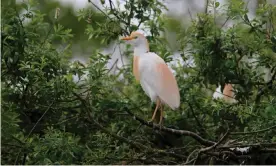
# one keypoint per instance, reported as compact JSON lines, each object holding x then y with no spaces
{"x":49,"y":118}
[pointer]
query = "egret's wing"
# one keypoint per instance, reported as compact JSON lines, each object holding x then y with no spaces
{"x":228,"y":93}
{"x":158,"y":76}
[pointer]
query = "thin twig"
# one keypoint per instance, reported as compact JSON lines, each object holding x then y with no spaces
{"x":33,"y":129}
{"x":123,"y":30}
{"x":111,"y":8}
{"x":225,"y":22}
{"x":39,"y":120}
{"x":121,"y":56}
{"x":190,"y":14}
{"x":113,"y":65}
{"x":273,"y":144}
{"x":99,"y":9}
{"x":9,"y":144}
{"x":216,"y":144}
{"x":197,"y":121}
{"x":253,"y":132}
{"x":188,"y":161}
{"x":206,"y":8}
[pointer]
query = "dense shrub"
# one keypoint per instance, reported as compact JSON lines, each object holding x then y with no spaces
{"x":48,"y":118}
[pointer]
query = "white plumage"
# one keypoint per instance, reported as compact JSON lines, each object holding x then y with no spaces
{"x":152,"y":80}
{"x":155,"y":77}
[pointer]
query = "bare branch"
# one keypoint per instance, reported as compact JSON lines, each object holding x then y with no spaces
{"x":115,"y":63}
{"x":206,"y":7}
{"x":225,"y":22}
{"x":188,"y":161}
{"x":216,"y":144}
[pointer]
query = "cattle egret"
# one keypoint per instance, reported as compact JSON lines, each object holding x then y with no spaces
{"x":155,"y":77}
{"x":227,"y":95}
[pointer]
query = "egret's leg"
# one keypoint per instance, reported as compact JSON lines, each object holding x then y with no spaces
{"x":156,"y":108}
{"x":161,"y":115}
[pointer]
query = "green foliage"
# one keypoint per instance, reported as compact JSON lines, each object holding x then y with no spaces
{"x":50,"y":118}
{"x":55,"y":147}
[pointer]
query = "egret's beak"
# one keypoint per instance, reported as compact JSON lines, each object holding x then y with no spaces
{"x":127,"y":38}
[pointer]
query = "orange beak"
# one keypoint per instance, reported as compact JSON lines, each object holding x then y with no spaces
{"x":127,"y":38}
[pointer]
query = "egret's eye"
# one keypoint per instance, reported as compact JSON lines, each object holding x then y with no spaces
{"x":135,"y":37}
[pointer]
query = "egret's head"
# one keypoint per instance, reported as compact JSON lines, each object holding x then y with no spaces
{"x":137,"y":39}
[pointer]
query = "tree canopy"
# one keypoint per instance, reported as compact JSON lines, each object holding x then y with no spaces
{"x":48,"y":117}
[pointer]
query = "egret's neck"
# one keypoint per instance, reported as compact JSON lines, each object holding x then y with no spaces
{"x":141,"y":49}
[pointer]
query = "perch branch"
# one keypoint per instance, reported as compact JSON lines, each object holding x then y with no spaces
{"x":173,"y":131}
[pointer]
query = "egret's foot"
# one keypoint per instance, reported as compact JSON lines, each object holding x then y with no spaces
{"x":160,"y":124}
{"x":155,"y":110}
{"x":150,"y":121}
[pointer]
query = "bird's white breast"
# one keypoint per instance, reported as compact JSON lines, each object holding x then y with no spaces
{"x":147,"y":68}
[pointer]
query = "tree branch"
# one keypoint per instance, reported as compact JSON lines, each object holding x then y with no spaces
{"x":262,"y":91}
{"x":173,"y":131}
{"x":253,"y":132}
{"x":113,"y":12}
{"x":123,"y":30}
{"x":273,"y":144}
{"x":33,"y":129}
{"x":197,"y":121}
{"x":216,"y":144}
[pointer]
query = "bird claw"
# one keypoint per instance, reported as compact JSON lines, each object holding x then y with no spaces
{"x":160,"y":125}
{"x":151,"y":122}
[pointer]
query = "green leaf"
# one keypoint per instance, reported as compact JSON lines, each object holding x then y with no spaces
{"x":217,"y":4}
